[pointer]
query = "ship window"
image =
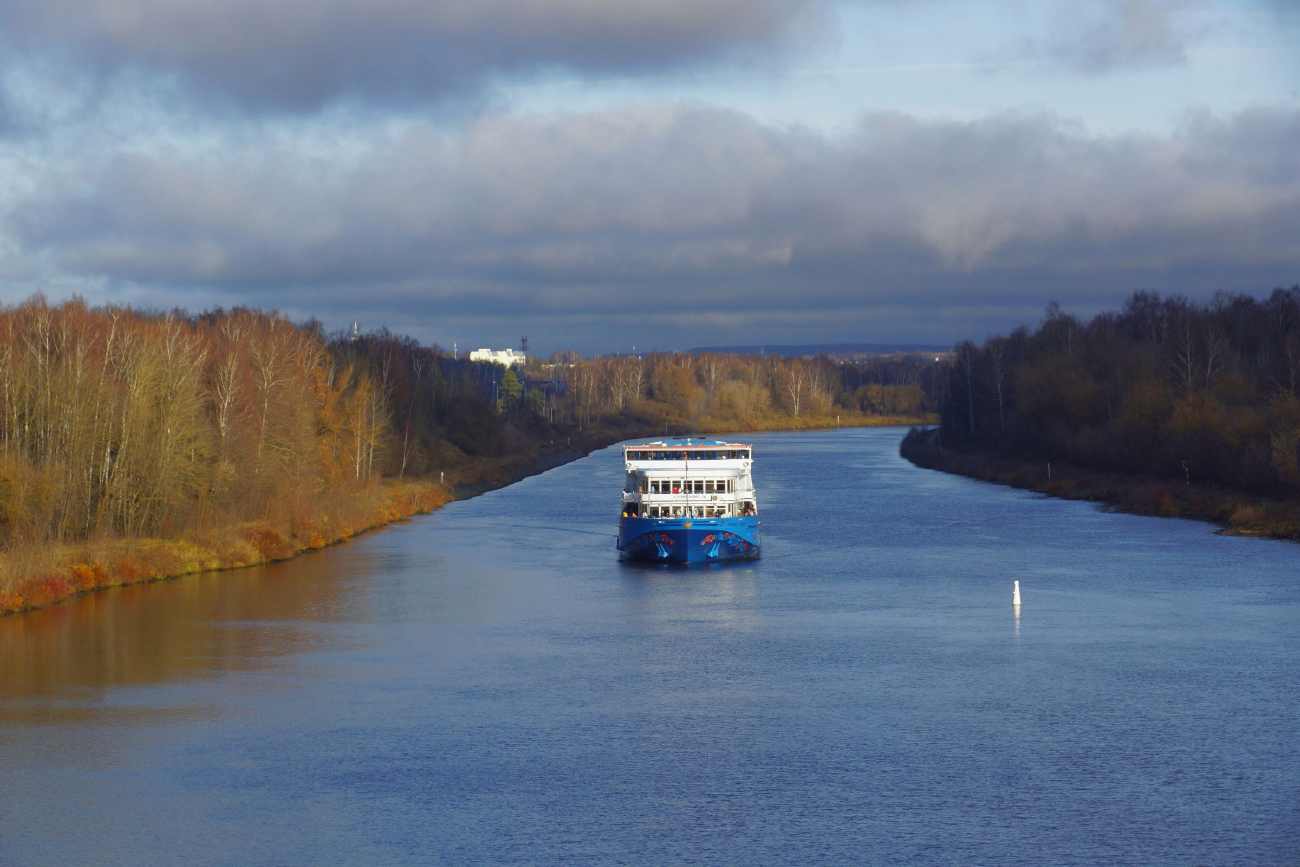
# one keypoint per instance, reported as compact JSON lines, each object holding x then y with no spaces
{"x":699,"y":486}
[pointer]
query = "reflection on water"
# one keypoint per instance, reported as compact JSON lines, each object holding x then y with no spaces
{"x":61,"y":662}
{"x":716,"y":594}
{"x":490,"y":685}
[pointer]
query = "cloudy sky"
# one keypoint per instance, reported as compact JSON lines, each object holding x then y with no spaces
{"x":658,"y":173}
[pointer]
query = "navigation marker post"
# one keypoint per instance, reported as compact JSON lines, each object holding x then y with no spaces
{"x":1015,"y":597}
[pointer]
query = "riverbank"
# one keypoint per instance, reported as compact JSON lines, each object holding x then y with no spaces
{"x":36,"y":578}
{"x":40,"y":577}
{"x":1238,"y":514}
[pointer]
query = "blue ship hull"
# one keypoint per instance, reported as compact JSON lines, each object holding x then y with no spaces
{"x":688,"y":540}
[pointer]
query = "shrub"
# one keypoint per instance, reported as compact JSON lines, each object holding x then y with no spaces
{"x":269,"y":544}
{"x":1247,"y":516}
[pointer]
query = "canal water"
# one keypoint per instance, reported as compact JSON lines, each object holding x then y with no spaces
{"x":489,"y":685}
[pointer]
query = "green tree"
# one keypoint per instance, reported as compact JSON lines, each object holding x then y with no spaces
{"x":510,"y":385}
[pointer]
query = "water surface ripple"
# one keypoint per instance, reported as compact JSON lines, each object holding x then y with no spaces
{"x":488,"y":685}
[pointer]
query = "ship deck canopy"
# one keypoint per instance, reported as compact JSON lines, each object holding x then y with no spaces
{"x":687,"y":449}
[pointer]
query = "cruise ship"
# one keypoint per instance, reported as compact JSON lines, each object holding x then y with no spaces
{"x":688,"y":500}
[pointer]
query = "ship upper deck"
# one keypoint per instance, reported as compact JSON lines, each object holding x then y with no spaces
{"x":687,"y":449}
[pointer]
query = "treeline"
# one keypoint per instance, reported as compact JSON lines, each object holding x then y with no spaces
{"x":442,"y":409}
{"x":119,"y":423}
{"x":1199,"y":394}
{"x":719,"y":392}
{"x":116,"y":423}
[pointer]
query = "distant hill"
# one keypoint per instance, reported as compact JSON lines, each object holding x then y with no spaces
{"x":810,"y":349}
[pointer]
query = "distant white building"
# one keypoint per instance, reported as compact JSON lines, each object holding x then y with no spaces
{"x":507,"y":357}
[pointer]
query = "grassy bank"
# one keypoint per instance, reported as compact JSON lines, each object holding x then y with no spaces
{"x":1237,"y":513}
{"x":37,"y":577}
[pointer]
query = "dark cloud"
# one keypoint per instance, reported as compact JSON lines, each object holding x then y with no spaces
{"x":674,"y":225}
{"x":1117,"y":33}
{"x":301,"y":54}
{"x":1109,"y":35}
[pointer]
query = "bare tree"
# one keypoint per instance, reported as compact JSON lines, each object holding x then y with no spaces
{"x":997,"y":350}
{"x":795,"y":379}
{"x":964,"y":361}
{"x":1184,"y":360}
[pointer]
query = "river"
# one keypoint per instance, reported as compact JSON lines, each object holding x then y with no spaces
{"x":489,"y":685}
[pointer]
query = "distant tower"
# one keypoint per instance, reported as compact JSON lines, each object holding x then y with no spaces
{"x":356,"y":331}
{"x":523,"y":344}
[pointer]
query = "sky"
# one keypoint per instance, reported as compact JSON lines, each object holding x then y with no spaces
{"x":649,"y":173}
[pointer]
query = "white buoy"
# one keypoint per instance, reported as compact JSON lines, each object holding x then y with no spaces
{"x":1015,"y":595}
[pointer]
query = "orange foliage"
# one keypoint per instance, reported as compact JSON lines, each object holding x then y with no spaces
{"x":128,"y":571}
{"x":269,"y":544}
{"x":88,"y":576}
{"x":45,"y":590}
